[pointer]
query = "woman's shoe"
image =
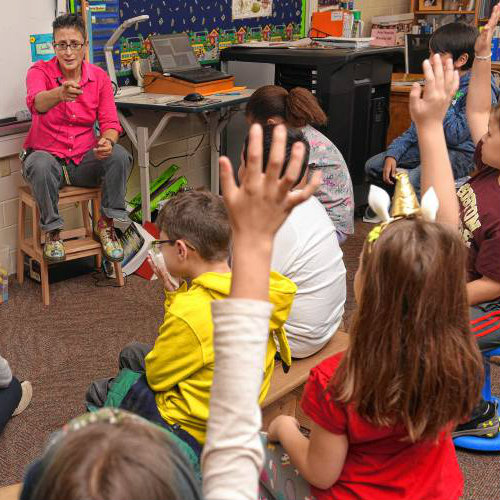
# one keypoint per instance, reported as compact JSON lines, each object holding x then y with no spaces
{"x":53,"y":250}
{"x":27,"y":394}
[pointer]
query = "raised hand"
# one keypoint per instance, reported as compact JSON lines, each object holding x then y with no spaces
{"x":440,"y":87}
{"x":483,"y":42}
{"x":263,"y":201}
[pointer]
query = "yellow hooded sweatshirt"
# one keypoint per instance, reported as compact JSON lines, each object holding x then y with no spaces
{"x":180,"y":367}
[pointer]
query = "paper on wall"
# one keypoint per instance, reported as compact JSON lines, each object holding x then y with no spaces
{"x":244,"y":9}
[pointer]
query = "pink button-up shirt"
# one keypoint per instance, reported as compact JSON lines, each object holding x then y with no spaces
{"x":67,"y":130}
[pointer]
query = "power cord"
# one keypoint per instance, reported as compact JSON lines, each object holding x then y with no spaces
{"x":179,"y":156}
{"x":101,"y":282}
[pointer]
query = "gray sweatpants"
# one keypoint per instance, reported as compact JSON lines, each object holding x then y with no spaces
{"x":44,"y":174}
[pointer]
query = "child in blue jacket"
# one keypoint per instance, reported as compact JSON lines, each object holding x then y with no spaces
{"x":456,"y":41}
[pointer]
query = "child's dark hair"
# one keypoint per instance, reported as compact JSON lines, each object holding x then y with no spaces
{"x":199,"y":217}
{"x":411,"y":359}
{"x":110,"y":461}
{"x":292,"y":136}
{"x":456,"y":39}
{"x":69,"y":21}
{"x":297,"y":108}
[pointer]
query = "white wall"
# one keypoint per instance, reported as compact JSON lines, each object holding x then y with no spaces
{"x":18,"y":20}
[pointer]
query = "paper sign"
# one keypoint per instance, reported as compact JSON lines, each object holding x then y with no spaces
{"x":41,"y":47}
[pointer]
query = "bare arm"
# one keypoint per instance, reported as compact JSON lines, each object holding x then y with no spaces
{"x":427,"y":112}
{"x":66,"y":92}
{"x":482,"y":290}
{"x":320,"y":459}
{"x":479,"y":95}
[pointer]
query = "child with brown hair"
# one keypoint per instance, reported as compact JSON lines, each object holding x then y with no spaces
{"x":299,"y":108}
{"x":383,"y":411}
{"x":195,"y":239}
{"x":476,"y":213}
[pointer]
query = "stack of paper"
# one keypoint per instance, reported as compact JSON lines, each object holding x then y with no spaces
{"x":344,"y":43}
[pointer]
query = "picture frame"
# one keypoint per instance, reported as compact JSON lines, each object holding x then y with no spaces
{"x":430,"y":5}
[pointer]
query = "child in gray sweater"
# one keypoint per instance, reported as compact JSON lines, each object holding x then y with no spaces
{"x":15,"y":396}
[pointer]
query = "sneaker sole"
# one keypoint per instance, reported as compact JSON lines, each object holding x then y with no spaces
{"x":487,"y":432}
{"x":371,"y":221}
{"x":25,"y":398}
{"x":53,"y":260}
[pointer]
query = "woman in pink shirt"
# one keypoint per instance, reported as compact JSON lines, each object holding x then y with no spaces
{"x":66,"y":97}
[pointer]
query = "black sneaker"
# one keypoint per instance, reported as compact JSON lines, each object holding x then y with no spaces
{"x":486,"y":425}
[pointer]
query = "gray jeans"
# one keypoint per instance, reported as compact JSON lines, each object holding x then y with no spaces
{"x":132,"y":357}
{"x":44,"y":174}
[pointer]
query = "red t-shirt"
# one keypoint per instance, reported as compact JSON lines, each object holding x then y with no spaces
{"x":379,"y":464}
{"x":479,"y":201}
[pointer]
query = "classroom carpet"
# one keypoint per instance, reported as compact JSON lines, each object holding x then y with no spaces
{"x":61,"y":348}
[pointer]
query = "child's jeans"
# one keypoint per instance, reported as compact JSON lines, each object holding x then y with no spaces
{"x":374,"y":169}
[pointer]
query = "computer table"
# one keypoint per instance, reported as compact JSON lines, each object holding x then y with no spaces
{"x":352,"y":85}
{"x":216,"y":115}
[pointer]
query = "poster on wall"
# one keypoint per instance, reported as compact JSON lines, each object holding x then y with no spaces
{"x":245,"y":9}
{"x":41,"y":47}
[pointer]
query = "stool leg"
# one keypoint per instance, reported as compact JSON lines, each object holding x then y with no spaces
{"x":86,"y":218}
{"x":119,"y":273}
{"x":44,"y":275}
{"x":21,"y":216}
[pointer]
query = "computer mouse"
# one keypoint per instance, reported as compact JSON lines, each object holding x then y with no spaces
{"x":194,"y":97}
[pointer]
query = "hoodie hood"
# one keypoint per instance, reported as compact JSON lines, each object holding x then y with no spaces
{"x":281,"y":294}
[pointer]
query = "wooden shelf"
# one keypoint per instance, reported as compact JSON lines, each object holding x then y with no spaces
{"x":430,"y":12}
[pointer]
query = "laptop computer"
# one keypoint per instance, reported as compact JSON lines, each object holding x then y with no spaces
{"x":177,"y":59}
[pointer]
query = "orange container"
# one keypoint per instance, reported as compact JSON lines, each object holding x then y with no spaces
{"x":329,"y":23}
{"x":156,"y":83}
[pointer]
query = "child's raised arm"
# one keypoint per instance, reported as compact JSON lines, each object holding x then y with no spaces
{"x":427,"y":112}
{"x":479,"y":95}
{"x":233,"y":455}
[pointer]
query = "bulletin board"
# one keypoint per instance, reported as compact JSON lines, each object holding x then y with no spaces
{"x":210,"y":23}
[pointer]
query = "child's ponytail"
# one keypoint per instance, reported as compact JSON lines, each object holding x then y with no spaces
{"x":302,"y":109}
{"x":296,"y":108}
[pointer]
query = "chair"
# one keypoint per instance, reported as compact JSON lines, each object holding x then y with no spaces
{"x":483,"y":443}
{"x":78,"y":243}
{"x":416,"y":52}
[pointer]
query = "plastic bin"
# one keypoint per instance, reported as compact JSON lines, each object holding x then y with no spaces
{"x":4,"y":273}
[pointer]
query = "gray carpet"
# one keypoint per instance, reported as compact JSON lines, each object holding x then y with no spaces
{"x":77,"y":339}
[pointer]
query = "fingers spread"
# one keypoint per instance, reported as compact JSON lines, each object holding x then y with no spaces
{"x":254,"y":155}
{"x":228,"y":183}
{"x":277,"y":153}
{"x":294,"y":167}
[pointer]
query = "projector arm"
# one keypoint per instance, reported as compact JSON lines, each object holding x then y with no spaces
{"x":108,"y":46}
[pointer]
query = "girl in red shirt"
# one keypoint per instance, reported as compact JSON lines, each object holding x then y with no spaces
{"x":383,"y":411}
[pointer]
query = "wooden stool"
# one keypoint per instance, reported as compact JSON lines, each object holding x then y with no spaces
{"x":78,"y":243}
{"x":286,"y":389}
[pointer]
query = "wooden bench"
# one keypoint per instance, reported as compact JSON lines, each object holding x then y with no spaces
{"x":11,"y":492}
{"x":286,"y":389}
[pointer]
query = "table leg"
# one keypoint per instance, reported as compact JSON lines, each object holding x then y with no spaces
{"x":143,"y":162}
{"x":214,"y":151}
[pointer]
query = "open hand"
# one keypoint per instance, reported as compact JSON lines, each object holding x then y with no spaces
{"x":483,"y":42}
{"x":104,"y":148}
{"x":69,"y":91}
{"x":389,"y":172}
{"x":263,"y":201}
{"x":440,"y":87}
{"x":161,"y":272}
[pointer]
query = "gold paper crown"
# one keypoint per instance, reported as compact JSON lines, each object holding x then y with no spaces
{"x":404,"y":205}
{"x":404,"y":201}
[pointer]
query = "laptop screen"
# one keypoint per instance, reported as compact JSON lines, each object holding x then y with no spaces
{"x":174,"y":52}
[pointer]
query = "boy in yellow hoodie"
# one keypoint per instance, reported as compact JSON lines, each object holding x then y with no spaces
{"x":195,"y":237}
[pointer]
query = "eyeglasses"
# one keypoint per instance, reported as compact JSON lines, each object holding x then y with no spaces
{"x":63,"y":46}
{"x":156,"y":244}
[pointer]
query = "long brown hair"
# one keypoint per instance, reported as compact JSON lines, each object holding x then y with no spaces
{"x":115,"y":461}
{"x":297,"y":108}
{"x":412,"y":359}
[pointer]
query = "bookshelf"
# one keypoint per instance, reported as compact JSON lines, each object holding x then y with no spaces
{"x":459,"y":8}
